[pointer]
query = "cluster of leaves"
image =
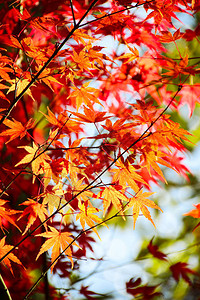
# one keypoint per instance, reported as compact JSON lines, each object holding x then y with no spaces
{"x":84,"y":130}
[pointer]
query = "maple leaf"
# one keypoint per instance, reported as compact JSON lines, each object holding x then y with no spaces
{"x":167,"y":37}
{"x":36,"y":157}
{"x":95,"y":56}
{"x":176,"y":69}
{"x":60,"y":241}
{"x":126,"y":174}
{"x":3,"y":87}
{"x":4,"y":69}
{"x":178,"y":166}
{"x":153,"y":249}
{"x":189,"y":95}
{"x":111,"y":24}
{"x":16,"y":129}
{"x":13,"y":42}
{"x":55,"y":199}
{"x":195,"y":213}
{"x":57,"y":121}
{"x":130,"y":56}
{"x":117,"y":127}
{"x":111,"y":195}
{"x":4,"y":249}
{"x":78,"y":187}
{"x":82,"y":60}
{"x":189,"y":34}
{"x":23,"y":16}
{"x":85,"y":94}
{"x":90,"y":295}
{"x":151,"y":160}
{"x":162,"y":10}
{"x":139,"y":203}
{"x":19,"y":86}
{"x":181,"y":269}
{"x":175,"y":133}
{"x":90,"y":115}
{"x":135,"y":288}
{"x":47,"y":78}
{"x":5,"y":213}
{"x":86,"y":215}
{"x":79,"y":35}
{"x":34,"y":210}
{"x":62,"y":122}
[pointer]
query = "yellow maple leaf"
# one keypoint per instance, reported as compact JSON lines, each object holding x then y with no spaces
{"x":139,"y":203}
{"x":20,"y":86}
{"x":87,"y":216}
{"x":55,"y":199}
{"x":38,"y":160}
{"x":60,"y":241}
{"x":111,"y":195}
{"x":78,"y":187}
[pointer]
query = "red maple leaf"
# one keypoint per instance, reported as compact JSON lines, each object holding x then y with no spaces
{"x":153,"y":249}
{"x":181,"y":269}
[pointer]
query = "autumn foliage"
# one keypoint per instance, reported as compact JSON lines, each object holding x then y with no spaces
{"x":85,"y":91}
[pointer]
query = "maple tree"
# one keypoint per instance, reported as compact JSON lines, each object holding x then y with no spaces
{"x":86,"y":128}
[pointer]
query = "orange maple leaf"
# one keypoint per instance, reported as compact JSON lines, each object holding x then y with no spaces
{"x":82,"y":60}
{"x":4,"y":249}
{"x":126,"y":174}
{"x":62,"y":121}
{"x":139,"y":203}
{"x":4,"y":69}
{"x":57,"y":121}
{"x":195,"y":213}
{"x":85,"y":94}
{"x":130,"y":56}
{"x":90,"y":115}
{"x":152,"y":158}
{"x":79,"y":35}
{"x":47,"y":78}
{"x":176,"y":69}
{"x":16,"y":129}
{"x":5,"y":213}
{"x":60,"y":241}
{"x":167,"y":37}
{"x":34,"y":210}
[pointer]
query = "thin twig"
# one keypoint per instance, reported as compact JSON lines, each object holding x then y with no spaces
{"x":72,"y":9}
{"x":4,"y":292}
